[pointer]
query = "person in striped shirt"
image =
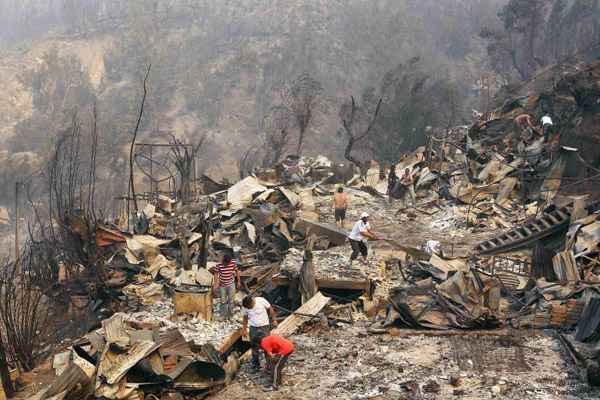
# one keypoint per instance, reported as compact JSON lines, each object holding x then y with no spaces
{"x":226,"y":275}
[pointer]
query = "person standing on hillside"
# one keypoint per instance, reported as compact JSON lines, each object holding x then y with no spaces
{"x":340,"y":205}
{"x":226,"y":275}
{"x":257,"y":311}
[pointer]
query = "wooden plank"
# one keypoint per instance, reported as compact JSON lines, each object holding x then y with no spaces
{"x":565,"y":267}
{"x":230,"y":341}
{"x":330,"y":283}
{"x":453,"y":332}
{"x":294,"y":321}
{"x":336,"y":235}
{"x":552,"y":218}
{"x":289,"y":325}
{"x":346,"y":285}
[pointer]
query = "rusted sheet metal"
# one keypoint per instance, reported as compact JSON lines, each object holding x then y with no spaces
{"x":114,"y":365}
{"x":107,"y":237}
{"x":190,"y":374}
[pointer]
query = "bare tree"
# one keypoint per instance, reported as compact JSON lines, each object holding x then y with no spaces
{"x":64,"y":211}
{"x":184,"y":158}
{"x":277,"y":125}
{"x":71,"y":209}
{"x":135,"y":133}
{"x":61,"y":233}
{"x":248,"y":162}
{"x":303,"y":98}
{"x":358,"y":125}
{"x":414,"y":101}
{"x":7,"y":385}
{"x":22,"y":310}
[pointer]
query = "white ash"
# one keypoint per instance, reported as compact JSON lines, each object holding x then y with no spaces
{"x":329,"y":264}
{"x":193,"y":329}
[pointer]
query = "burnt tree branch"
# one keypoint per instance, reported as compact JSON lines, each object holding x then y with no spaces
{"x":135,"y":133}
{"x":349,"y":119}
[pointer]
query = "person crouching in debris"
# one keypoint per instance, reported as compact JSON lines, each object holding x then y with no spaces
{"x":340,"y":205}
{"x":225,"y":274}
{"x":525,"y":124}
{"x":360,"y":234}
{"x":277,"y":351}
{"x":256,"y":312}
{"x":408,"y":182}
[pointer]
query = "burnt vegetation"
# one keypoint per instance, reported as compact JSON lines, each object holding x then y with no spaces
{"x":398,"y":75}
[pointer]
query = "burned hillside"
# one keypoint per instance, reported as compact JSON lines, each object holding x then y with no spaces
{"x":300,"y":200}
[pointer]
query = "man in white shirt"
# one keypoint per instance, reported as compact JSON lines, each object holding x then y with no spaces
{"x":256,"y":312}
{"x":546,"y":126}
{"x":359,"y":236}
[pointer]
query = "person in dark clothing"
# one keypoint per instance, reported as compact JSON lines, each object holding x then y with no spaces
{"x":392,"y":182}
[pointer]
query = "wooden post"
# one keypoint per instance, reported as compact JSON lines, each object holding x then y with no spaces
{"x":17,"y":220}
{"x":186,"y":261}
{"x":203,"y":259}
{"x":151,"y":174}
{"x":430,"y":150}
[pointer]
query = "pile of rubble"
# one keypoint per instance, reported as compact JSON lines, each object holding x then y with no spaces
{"x":539,"y":269}
{"x":159,"y":264}
{"x":490,"y":244}
{"x":130,"y":356}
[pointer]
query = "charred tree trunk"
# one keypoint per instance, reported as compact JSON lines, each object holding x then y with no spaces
{"x":348,"y":153}
{"x":186,"y":260}
{"x":135,"y":133}
{"x":205,"y":229}
{"x":348,"y":123}
{"x":303,"y":128}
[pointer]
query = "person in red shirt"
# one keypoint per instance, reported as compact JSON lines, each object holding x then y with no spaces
{"x":277,"y":350}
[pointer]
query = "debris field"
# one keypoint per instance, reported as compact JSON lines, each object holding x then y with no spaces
{"x":487,"y":287}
